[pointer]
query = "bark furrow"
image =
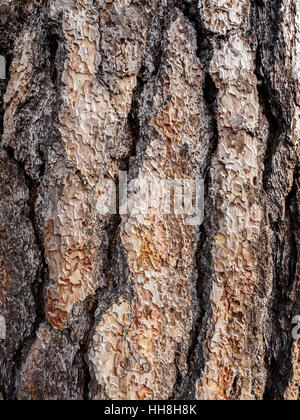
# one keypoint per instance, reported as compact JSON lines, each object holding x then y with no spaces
{"x":138,"y":302}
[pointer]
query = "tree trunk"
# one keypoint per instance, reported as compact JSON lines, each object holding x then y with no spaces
{"x":138,"y":305}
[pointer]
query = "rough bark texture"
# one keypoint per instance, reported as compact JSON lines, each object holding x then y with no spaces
{"x":146,"y":307}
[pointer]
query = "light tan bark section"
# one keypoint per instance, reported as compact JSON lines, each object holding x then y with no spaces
{"x":135,"y":345}
{"x":92,"y":123}
{"x":236,"y":171}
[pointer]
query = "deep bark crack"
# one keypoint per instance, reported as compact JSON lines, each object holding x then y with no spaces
{"x":185,"y":387}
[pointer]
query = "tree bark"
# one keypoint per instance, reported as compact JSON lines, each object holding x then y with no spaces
{"x":128,"y":306}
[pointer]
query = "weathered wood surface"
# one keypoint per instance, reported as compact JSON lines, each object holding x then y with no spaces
{"x":130,"y":307}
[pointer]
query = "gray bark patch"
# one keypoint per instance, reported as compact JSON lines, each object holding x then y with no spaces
{"x":2,"y":68}
{"x":2,"y":328}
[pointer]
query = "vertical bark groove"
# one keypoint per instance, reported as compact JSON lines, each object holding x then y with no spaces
{"x":128,"y":306}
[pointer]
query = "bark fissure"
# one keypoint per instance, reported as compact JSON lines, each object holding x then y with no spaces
{"x":284,"y":306}
{"x":135,"y":306}
{"x":185,"y":387}
{"x":39,"y":284}
{"x":277,"y":108}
